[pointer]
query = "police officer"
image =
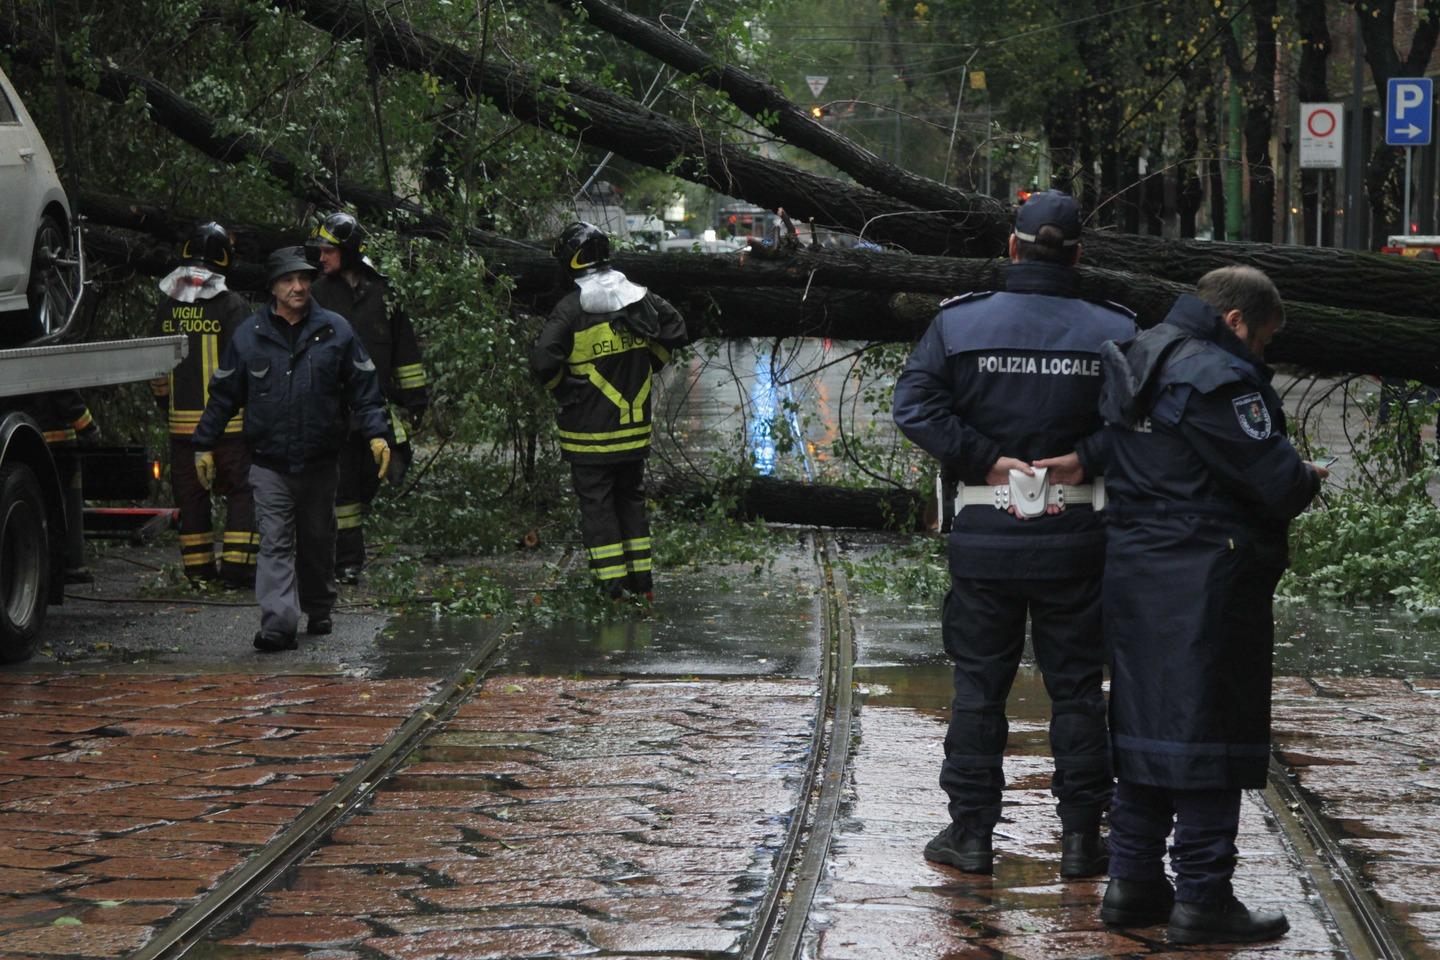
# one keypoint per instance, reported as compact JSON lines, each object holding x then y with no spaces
{"x":198,"y":306}
{"x":297,"y":371}
{"x":350,"y":285}
{"x":1203,"y":484}
{"x":597,"y":353}
{"x":1003,"y":391}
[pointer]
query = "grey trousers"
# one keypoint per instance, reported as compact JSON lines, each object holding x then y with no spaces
{"x":295,"y":570}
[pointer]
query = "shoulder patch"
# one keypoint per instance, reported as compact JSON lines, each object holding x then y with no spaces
{"x":1254,"y":418}
{"x":962,"y":297}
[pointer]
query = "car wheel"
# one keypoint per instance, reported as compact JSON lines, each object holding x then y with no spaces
{"x":54,"y":277}
{"x":24,"y":563}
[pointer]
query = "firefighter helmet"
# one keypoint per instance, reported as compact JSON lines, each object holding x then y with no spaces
{"x":343,"y":231}
{"x":209,"y":244}
{"x":580,"y":247}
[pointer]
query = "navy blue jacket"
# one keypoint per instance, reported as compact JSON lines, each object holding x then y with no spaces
{"x":1202,"y":483}
{"x":1014,"y":374}
{"x":296,"y":399}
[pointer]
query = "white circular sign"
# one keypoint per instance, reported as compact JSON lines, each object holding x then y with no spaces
{"x":1321,"y":122}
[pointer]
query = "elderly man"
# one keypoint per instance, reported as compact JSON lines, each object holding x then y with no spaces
{"x":299,"y":372}
{"x":1202,"y":484}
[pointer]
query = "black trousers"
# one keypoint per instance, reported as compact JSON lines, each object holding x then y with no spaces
{"x":984,"y":633}
{"x":197,"y":531}
{"x":1203,"y":854}
{"x":613,"y":523}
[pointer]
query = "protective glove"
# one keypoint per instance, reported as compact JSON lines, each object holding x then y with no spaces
{"x":205,"y":468}
{"x":380,"y":450}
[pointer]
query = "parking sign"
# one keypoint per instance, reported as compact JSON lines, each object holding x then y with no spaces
{"x":1407,"y":111}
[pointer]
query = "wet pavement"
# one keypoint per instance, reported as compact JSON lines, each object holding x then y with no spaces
{"x":622,"y":788}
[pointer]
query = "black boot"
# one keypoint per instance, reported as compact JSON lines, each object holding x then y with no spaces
{"x":963,"y":850}
{"x":271,"y":643}
{"x":1083,"y":854}
{"x":1228,"y":922}
{"x":1136,"y":903}
{"x":319,"y":624}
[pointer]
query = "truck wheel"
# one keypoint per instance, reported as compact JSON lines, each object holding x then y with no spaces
{"x":24,"y":563}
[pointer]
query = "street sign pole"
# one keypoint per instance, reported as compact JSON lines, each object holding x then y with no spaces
{"x":1408,"y":152}
{"x":1319,"y":208}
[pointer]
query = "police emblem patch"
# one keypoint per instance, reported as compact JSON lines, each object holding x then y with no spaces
{"x":1254,"y":418}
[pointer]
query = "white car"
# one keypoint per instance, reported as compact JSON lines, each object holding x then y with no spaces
{"x":41,"y":268}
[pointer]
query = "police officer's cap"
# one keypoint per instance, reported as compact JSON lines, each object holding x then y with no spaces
{"x":287,"y":260}
{"x":1049,"y":208}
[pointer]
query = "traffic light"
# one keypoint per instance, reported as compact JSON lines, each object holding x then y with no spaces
{"x":818,"y":111}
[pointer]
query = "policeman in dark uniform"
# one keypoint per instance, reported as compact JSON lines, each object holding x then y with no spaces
{"x":1003,"y":391}
{"x":198,"y":306}
{"x":66,"y":424}
{"x":350,"y":285}
{"x":598,"y":352}
{"x":1203,"y":485}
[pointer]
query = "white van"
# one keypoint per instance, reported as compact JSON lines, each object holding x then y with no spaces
{"x":40,"y":266}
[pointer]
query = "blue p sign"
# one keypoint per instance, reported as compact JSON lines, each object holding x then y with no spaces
{"x":1407,"y":111}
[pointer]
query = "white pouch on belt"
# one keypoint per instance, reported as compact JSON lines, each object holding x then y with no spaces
{"x":1029,"y":495}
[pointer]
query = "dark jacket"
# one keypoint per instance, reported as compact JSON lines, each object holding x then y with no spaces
{"x":62,"y":416}
{"x":296,"y":399}
{"x":599,"y":366}
{"x":1014,"y":374}
{"x":207,"y":325}
{"x":386,"y":332}
{"x":1202,"y":483}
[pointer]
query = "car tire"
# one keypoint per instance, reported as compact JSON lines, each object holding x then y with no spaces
{"x":24,"y":563}
{"x":54,"y":280}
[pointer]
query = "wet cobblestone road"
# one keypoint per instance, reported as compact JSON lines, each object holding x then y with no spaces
{"x":621,"y":790}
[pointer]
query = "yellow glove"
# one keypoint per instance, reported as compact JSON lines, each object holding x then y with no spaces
{"x":205,"y":468}
{"x":380,"y":450}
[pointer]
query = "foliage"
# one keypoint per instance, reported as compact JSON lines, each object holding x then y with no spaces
{"x":1377,"y":539}
{"x":915,"y":571}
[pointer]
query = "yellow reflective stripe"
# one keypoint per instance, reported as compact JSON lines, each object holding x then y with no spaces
{"x":660,"y":352}
{"x":237,"y":556}
{"x":397,"y":427}
{"x":554,"y":381}
{"x":238,"y":536}
{"x":59,"y":436}
{"x":191,"y":539}
{"x":209,"y":361}
{"x":84,"y":420}
{"x":611,"y":435}
{"x":410,"y":375}
{"x":639,"y":566}
{"x":347,"y":510}
{"x":197,"y":559}
{"x":589,"y":372}
{"x":640,"y":543}
{"x":605,"y":447}
{"x":609,"y":573}
{"x":609,"y":550}
{"x":637,"y":406}
{"x":348,"y":523}
{"x":602,"y":340}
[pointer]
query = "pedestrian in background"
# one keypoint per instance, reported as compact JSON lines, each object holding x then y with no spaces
{"x":598,"y":352}
{"x":1003,"y":391}
{"x":298,"y":371}
{"x":1203,"y":484}
{"x":350,"y":285}
{"x":198,"y":306}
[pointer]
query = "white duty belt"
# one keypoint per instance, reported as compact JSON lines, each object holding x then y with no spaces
{"x":1030,"y":496}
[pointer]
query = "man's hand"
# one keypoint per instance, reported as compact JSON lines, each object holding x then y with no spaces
{"x":1064,"y":469}
{"x":1000,"y":470}
{"x":205,"y":468}
{"x":1321,"y":472}
{"x":380,"y":450}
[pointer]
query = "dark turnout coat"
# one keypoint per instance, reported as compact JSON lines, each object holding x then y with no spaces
{"x":1202,"y":485}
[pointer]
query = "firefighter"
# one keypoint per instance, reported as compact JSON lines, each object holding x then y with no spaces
{"x":198,"y":306}
{"x":66,"y":423}
{"x":350,"y":285}
{"x":597,"y":353}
